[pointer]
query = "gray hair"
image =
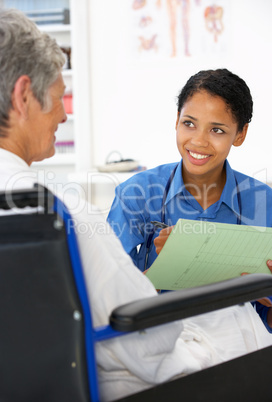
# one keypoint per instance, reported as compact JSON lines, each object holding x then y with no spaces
{"x":25,"y":50}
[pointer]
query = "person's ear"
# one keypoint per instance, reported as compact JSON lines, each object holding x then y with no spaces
{"x":240,"y":136}
{"x":21,"y":95}
{"x":177,"y":121}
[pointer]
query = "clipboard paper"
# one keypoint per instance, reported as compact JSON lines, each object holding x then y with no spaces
{"x":198,"y":253}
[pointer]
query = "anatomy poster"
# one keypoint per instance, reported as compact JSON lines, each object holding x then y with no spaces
{"x":179,"y":28}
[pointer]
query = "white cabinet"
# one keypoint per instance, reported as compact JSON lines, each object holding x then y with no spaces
{"x":80,"y":81}
{"x":65,"y":136}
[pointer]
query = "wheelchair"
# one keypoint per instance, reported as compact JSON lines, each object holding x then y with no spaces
{"x":47,"y":341}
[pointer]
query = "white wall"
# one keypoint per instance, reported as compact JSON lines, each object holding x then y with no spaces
{"x":134,"y":109}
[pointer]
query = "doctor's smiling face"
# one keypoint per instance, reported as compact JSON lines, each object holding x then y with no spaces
{"x":214,"y":110}
{"x":206,"y":129}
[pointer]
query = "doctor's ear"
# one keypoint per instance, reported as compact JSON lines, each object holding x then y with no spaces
{"x":21,"y":95}
{"x":240,"y":136}
{"x":177,"y":121}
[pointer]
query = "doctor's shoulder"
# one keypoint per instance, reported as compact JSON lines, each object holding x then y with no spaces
{"x":255,"y":192}
{"x":142,"y":181}
{"x":252,"y":185}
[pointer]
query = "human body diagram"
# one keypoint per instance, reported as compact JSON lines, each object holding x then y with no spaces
{"x":180,"y":19}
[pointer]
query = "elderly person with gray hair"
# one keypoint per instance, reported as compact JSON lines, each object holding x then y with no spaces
{"x":31,"y":108}
{"x":31,"y":89}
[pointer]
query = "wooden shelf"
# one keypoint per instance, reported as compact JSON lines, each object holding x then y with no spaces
{"x":95,"y":177}
{"x":55,"y":27}
{"x":67,"y":73}
{"x":58,"y":159}
{"x":70,"y":117}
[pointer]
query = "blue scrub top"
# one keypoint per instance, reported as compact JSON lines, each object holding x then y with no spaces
{"x":138,"y":201}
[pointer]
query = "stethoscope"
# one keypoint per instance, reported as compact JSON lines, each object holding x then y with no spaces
{"x":163,"y":210}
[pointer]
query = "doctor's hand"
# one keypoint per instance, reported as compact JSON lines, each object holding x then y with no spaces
{"x":159,"y":242}
{"x":265,"y":301}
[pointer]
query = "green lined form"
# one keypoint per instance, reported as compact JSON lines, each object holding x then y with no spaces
{"x":198,"y":253}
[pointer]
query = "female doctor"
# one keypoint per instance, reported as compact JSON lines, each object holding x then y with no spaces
{"x":214,"y":111}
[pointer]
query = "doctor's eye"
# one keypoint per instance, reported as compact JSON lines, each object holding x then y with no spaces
{"x":218,"y":130}
{"x":188,"y":123}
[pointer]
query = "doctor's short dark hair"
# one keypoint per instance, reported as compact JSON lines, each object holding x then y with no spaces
{"x":228,"y":86}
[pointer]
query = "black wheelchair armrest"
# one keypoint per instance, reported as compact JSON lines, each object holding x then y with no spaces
{"x":185,"y":303}
{"x":30,"y":197}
